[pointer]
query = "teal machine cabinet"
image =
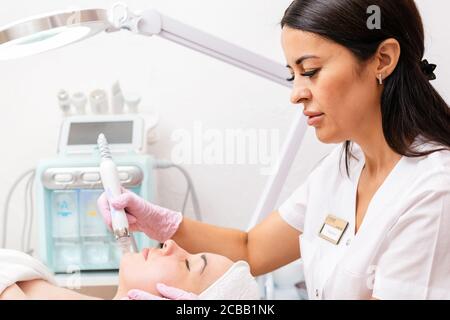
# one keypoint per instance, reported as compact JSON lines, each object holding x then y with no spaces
{"x":72,"y":234}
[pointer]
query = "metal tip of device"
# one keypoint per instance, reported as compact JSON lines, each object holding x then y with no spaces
{"x":121,"y":233}
{"x":125,"y":244}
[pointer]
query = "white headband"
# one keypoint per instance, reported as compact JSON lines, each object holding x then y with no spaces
{"x":235,"y":284}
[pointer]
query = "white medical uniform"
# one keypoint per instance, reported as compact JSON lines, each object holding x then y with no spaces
{"x":402,"y":248}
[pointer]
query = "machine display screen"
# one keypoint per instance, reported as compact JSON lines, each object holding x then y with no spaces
{"x":87,"y":132}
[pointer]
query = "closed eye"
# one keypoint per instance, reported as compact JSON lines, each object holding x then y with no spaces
{"x":187,"y":265}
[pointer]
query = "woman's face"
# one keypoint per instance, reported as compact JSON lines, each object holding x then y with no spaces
{"x":172,"y":266}
{"x":331,"y":83}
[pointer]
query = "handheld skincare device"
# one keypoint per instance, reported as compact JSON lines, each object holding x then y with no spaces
{"x":111,"y":184}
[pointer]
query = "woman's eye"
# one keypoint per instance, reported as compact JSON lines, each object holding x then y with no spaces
{"x":311,"y":73}
{"x":308,"y":74}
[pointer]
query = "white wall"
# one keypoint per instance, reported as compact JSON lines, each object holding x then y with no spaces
{"x":181,"y":85}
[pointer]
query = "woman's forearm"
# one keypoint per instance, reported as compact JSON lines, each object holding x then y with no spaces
{"x":195,"y":237}
{"x":266,"y":247}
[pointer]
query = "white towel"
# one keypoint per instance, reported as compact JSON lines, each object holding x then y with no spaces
{"x":18,"y":266}
{"x":235,"y":284}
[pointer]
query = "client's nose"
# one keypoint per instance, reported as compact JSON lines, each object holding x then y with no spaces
{"x":171,"y":247}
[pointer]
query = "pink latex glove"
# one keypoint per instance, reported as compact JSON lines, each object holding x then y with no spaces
{"x":156,"y":222}
{"x":168,"y":293}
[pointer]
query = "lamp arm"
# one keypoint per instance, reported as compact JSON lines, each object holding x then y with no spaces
{"x":280,"y":170}
{"x":150,"y":22}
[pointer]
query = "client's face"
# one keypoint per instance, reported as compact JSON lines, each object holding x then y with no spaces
{"x":172,"y":266}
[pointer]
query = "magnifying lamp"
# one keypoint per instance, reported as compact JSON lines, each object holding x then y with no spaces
{"x":43,"y":33}
{"x":51,"y":31}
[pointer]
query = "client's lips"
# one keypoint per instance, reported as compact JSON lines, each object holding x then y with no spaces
{"x":145,"y":253}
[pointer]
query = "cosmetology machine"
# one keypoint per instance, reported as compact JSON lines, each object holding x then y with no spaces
{"x":73,"y":236}
{"x":38,"y":34}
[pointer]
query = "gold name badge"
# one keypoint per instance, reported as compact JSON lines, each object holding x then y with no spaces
{"x":332,"y":229}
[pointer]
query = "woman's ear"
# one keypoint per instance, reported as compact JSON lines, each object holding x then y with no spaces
{"x":386,"y":57}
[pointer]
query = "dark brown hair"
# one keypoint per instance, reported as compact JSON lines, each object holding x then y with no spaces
{"x":410,"y":106}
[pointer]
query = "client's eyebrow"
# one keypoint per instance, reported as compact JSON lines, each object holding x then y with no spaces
{"x":205,"y":262}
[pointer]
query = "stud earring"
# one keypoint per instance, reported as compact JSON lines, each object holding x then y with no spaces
{"x":380,"y":79}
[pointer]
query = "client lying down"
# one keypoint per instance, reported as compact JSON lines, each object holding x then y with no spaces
{"x":208,"y":275}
